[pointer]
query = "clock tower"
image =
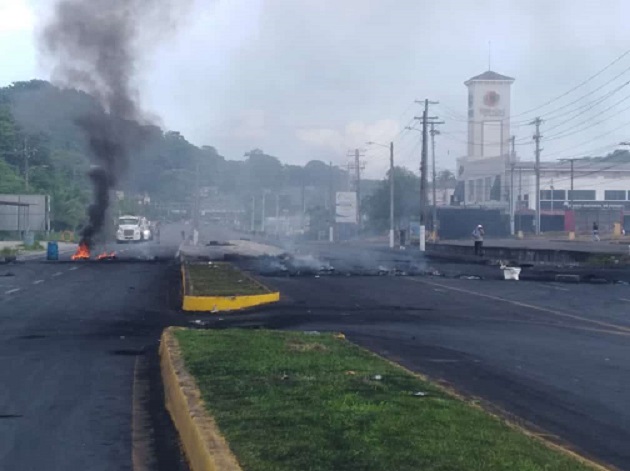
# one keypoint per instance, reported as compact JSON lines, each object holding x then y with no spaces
{"x":483,"y":170}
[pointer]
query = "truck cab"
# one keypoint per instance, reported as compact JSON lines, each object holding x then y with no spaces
{"x":132,"y":229}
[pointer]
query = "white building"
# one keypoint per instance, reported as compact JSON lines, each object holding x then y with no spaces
{"x":491,"y":172}
{"x":482,"y":172}
{"x":601,"y":193}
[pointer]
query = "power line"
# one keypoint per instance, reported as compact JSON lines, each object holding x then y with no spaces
{"x":590,"y":140}
{"x":589,"y":79}
{"x":588,"y":107}
{"x":589,"y":125}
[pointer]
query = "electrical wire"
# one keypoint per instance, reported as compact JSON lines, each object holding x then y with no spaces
{"x":589,"y":123}
{"x":571,"y":90}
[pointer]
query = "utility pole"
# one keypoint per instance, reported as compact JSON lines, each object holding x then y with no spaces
{"x":392,"y":236}
{"x":357,"y":165}
{"x":537,"y":122}
{"x":253,"y":221}
{"x":277,"y":214}
{"x":423,"y":169}
{"x":262,"y":222}
{"x":26,"y":166}
{"x":520,"y":197}
{"x":512,"y":165}
{"x":331,"y":204}
{"x":434,"y":220}
{"x":572,"y":161}
{"x":197,"y":196}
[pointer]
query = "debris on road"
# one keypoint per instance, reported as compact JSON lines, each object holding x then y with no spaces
{"x":510,"y":273}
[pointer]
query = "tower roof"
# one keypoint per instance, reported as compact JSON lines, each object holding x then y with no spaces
{"x":489,"y":76}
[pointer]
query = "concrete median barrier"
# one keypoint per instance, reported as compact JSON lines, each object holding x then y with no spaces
{"x":220,"y":287}
{"x":203,"y":444}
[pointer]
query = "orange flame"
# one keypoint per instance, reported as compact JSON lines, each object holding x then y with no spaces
{"x":82,"y":253}
{"x":106,"y":256}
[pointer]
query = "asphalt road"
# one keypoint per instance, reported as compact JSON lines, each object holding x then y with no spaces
{"x":79,"y":387}
{"x":554,"y":356}
{"x":79,"y":383}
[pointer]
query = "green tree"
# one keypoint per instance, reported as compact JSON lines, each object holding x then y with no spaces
{"x":10,"y":182}
{"x":406,"y":201}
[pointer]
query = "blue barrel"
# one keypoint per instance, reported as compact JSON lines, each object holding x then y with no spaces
{"x":53,"y":251}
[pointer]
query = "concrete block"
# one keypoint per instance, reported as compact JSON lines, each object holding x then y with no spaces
{"x":568,"y":278}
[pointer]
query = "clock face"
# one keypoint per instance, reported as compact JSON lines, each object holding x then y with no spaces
{"x":491,"y":98}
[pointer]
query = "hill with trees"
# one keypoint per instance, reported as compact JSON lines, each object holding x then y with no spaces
{"x":42,"y":150}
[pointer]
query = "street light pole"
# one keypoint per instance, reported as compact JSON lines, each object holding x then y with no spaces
{"x":392,"y":230}
{"x":391,"y":195}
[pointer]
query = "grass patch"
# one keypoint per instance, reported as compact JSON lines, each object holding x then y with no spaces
{"x":34,"y":247}
{"x":606,"y":260}
{"x":221,"y":279}
{"x":290,"y":401}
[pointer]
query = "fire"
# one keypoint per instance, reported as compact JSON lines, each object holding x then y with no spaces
{"x":82,"y":253}
{"x":106,"y":256}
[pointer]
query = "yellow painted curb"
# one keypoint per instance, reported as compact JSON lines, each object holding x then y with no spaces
{"x":203,"y":444}
{"x":224,"y":303}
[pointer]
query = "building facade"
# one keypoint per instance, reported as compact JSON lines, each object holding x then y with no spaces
{"x":601,"y":193}
{"x":482,"y":172}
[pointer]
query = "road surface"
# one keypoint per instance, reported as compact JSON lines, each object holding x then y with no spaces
{"x":79,"y":387}
{"x":79,"y":383}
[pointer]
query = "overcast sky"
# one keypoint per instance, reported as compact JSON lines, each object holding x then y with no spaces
{"x":305,"y":79}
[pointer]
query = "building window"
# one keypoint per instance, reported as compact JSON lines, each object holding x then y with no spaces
{"x":582,"y":195}
{"x":615,"y":195}
{"x":471,"y":190}
{"x":487,"y":188}
{"x":558,"y":195}
{"x":479,"y":190}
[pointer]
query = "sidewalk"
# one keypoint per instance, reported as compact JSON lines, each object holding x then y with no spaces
{"x":604,"y":247}
{"x":64,"y":247}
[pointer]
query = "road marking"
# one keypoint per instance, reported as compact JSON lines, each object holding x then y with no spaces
{"x":11,"y":291}
{"x":560,"y":289}
{"x":73,"y":268}
{"x":624,"y":299}
{"x":615,"y":327}
{"x":57,"y":274}
{"x":38,"y":282}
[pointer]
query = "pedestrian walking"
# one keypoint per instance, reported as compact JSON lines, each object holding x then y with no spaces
{"x":478,"y":234}
{"x":596,"y":232}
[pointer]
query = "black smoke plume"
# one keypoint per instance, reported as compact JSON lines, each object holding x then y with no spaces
{"x":95,"y":46}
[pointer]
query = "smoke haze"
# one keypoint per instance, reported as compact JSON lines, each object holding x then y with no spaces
{"x":96,"y":46}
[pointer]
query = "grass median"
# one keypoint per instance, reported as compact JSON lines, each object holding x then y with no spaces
{"x":221,"y":279}
{"x":314,"y":402}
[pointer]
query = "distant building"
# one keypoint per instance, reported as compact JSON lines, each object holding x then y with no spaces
{"x":482,"y":171}
{"x":601,"y":193}
{"x":491,"y":172}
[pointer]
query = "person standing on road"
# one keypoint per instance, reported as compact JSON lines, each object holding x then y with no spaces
{"x":478,"y":234}
{"x":596,"y":232}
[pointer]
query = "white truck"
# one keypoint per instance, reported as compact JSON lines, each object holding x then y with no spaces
{"x":133,"y":229}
